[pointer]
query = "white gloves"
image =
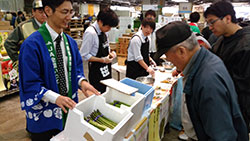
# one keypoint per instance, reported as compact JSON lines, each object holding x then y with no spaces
{"x":151,"y":71}
{"x":112,"y":55}
{"x":107,"y":59}
{"x":152,"y":62}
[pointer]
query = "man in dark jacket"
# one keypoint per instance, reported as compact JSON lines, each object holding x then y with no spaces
{"x":234,"y":49}
{"x":23,"y":30}
{"x":212,"y":107}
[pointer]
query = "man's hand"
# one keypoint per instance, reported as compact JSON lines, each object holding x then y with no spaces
{"x":175,"y":73}
{"x":107,"y":60}
{"x":88,"y":89}
{"x":112,"y":55}
{"x":152,"y":62}
{"x":151,"y":71}
{"x":65,"y":102}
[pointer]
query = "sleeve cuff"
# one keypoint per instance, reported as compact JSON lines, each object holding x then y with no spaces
{"x":86,"y":58}
{"x":80,"y":80}
{"x":138,"y":58}
{"x":50,"y":96}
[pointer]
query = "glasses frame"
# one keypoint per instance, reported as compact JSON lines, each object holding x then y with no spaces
{"x":66,"y":12}
{"x":213,"y":21}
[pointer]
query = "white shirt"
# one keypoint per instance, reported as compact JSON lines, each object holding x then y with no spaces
{"x":152,"y":36}
{"x":50,"y":95}
{"x":134,"y":49}
{"x":38,"y":23}
{"x":90,"y":41}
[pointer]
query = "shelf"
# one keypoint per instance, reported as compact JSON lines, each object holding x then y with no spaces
{"x":8,"y":92}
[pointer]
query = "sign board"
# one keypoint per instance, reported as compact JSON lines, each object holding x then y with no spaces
{"x":185,"y":7}
{"x":148,"y":7}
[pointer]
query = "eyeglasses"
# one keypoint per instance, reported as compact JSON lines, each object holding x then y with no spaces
{"x":66,"y":12}
{"x":213,"y":21}
{"x":40,"y":11}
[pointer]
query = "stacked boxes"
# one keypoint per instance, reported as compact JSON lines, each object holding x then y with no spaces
{"x":75,"y":29}
{"x":5,"y":25}
{"x":122,"y":50}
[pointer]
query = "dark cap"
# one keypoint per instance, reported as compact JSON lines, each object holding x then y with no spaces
{"x":170,"y":35}
{"x":37,"y":4}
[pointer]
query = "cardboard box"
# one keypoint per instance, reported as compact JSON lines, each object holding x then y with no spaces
{"x":4,"y":23}
{"x":121,"y":60}
{"x":77,"y":129}
{"x":6,"y":27}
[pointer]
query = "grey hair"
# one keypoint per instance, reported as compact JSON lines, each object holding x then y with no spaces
{"x":190,"y":43}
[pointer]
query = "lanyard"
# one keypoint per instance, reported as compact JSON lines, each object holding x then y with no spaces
{"x":49,"y":43}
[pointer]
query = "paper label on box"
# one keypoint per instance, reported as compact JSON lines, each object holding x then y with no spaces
{"x":88,"y":137}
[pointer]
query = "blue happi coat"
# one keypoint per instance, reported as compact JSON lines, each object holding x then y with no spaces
{"x":37,"y":76}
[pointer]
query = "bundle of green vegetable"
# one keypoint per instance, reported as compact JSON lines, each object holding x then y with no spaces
{"x":101,"y":122}
{"x":118,"y":103}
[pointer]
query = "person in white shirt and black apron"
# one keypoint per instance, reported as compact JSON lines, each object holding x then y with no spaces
{"x":138,"y":60}
{"x":95,"y":48}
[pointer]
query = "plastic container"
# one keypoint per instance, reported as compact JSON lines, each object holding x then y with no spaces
{"x":144,"y":89}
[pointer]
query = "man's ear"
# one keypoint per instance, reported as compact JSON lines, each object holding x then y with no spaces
{"x":181,"y":50}
{"x":228,"y":19}
{"x":48,"y":11}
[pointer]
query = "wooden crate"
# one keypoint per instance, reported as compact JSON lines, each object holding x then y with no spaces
{"x":122,"y":46}
{"x":121,"y":60}
{"x":75,"y":29}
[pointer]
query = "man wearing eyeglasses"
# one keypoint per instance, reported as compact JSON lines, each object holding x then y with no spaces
{"x":23,"y":30}
{"x":233,"y":48}
{"x":51,"y":72}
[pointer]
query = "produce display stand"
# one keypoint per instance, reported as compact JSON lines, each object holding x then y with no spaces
{"x":8,"y":92}
{"x":5,"y":30}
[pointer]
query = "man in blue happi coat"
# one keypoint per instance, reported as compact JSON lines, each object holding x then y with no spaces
{"x":51,"y":72}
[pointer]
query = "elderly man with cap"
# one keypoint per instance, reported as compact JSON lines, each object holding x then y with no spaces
{"x":23,"y":30}
{"x":213,"y":107}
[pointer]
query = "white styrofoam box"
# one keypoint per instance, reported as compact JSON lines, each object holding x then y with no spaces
{"x":121,"y":87}
{"x":140,"y":132}
{"x":136,"y":103}
{"x":76,"y":127}
{"x":144,"y":89}
{"x":60,"y":137}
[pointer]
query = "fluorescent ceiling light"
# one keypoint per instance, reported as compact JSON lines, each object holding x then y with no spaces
{"x":179,"y":0}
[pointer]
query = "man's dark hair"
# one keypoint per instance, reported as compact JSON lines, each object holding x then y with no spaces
{"x":19,"y":13}
{"x":129,"y":26}
{"x":13,"y":14}
{"x":150,"y":12}
{"x":148,"y":22}
{"x":194,"y":17}
{"x":108,"y":17}
{"x":53,"y":4}
{"x":221,"y":9}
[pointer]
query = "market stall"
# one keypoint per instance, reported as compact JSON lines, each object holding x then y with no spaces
{"x":8,"y":82}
